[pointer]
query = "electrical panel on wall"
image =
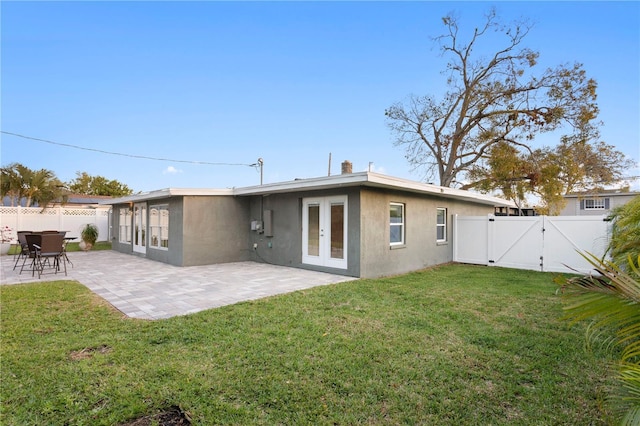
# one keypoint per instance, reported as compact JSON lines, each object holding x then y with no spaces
{"x":268,"y":223}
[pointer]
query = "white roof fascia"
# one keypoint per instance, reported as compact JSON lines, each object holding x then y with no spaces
{"x":443,"y":191}
{"x":166,"y":193}
{"x":368,"y":179}
{"x":336,"y":181}
{"x":372,"y":180}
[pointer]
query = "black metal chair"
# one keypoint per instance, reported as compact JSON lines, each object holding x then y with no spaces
{"x":33,"y":240}
{"x":49,"y":253}
{"x":23,"y":249}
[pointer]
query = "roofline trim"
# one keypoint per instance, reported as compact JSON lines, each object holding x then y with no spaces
{"x":167,"y":193}
{"x":602,"y":194}
{"x":368,"y":179}
{"x":371,"y":179}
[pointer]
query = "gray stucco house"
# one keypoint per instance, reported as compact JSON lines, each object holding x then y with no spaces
{"x":596,"y":203}
{"x":357,"y":224}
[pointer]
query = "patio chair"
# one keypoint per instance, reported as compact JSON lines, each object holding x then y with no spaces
{"x":49,"y":253}
{"x":23,"y":249}
{"x":33,"y":240}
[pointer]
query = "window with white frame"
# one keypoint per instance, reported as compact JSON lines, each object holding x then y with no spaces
{"x":124,"y":225}
{"x":441,"y":224}
{"x":396,"y":224}
{"x":594,"y":204}
{"x":159,"y":226}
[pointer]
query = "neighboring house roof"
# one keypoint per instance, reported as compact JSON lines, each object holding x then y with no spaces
{"x":86,"y":199}
{"x":603,"y":193}
{"x":366,"y":179}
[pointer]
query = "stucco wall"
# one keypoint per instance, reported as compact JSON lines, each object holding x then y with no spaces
{"x":203,"y":230}
{"x":285,"y":246}
{"x":379,"y":258}
{"x":572,"y":207}
{"x":215,"y":229}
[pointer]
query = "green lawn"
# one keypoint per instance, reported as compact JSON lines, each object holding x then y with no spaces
{"x":454,"y":345}
{"x":100,"y":245}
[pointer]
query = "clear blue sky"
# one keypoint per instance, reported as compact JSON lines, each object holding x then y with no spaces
{"x":290,"y":82}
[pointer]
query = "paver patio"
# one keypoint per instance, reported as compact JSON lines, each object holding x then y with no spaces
{"x":142,"y":288}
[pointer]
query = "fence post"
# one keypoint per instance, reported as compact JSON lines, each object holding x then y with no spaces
{"x":60,"y":218}
{"x":491,"y":239}
{"x":19,"y":219}
{"x":455,"y":237}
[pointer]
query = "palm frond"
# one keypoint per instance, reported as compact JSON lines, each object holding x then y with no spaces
{"x":610,"y":299}
{"x":627,"y":396}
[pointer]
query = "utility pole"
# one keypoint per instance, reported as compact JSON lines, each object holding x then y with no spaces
{"x":261,"y":164}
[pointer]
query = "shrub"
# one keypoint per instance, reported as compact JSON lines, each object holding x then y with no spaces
{"x":89,"y":234}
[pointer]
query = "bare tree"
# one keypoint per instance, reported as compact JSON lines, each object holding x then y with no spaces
{"x":489,"y":100}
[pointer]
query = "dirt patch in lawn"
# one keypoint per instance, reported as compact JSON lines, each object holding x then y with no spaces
{"x":171,"y":417}
{"x":87,"y":353}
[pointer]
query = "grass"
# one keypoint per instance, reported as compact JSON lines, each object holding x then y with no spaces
{"x":99,"y":245}
{"x":454,"y":345}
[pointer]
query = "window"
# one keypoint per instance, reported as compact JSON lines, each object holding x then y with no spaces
{"x":396,"y":224}
{"x":441,"y":225}
{"x":594,"y":204}
{"x":159,"y":226}
{"x":124,"y":225}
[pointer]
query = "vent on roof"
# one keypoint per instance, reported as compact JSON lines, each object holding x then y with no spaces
{"x":347,"y":167}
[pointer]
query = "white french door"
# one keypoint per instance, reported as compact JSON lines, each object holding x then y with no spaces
{"x":140,"y":227}
{"x":324,"y":231}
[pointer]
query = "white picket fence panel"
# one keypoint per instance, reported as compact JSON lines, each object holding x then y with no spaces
{"x":540,"y":243}
{"x":56,"y":218}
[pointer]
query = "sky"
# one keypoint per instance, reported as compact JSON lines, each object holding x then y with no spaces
{"x":211,"y":87}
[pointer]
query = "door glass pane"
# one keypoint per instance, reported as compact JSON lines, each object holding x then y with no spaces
{"x":136,"y":219}
{"x":164,"y":227}
{"x":143,"y":224}
{"x":337,"y":231}
{"x":313,"y":244}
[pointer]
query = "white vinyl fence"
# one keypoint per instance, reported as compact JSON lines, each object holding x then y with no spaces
{"x":541,"y":243}
{"x":62,"y":218}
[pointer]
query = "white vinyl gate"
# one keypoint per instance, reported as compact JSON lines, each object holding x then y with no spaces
{"x":541,"y":243}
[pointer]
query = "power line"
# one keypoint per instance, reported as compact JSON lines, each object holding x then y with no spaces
{"x":144,"y":157}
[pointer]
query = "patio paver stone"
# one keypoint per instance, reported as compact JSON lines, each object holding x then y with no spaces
{"x":146,"y":289}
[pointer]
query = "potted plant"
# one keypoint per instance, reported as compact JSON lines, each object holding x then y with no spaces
{"x":7,"y":237}
{"x":89,"y":235}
